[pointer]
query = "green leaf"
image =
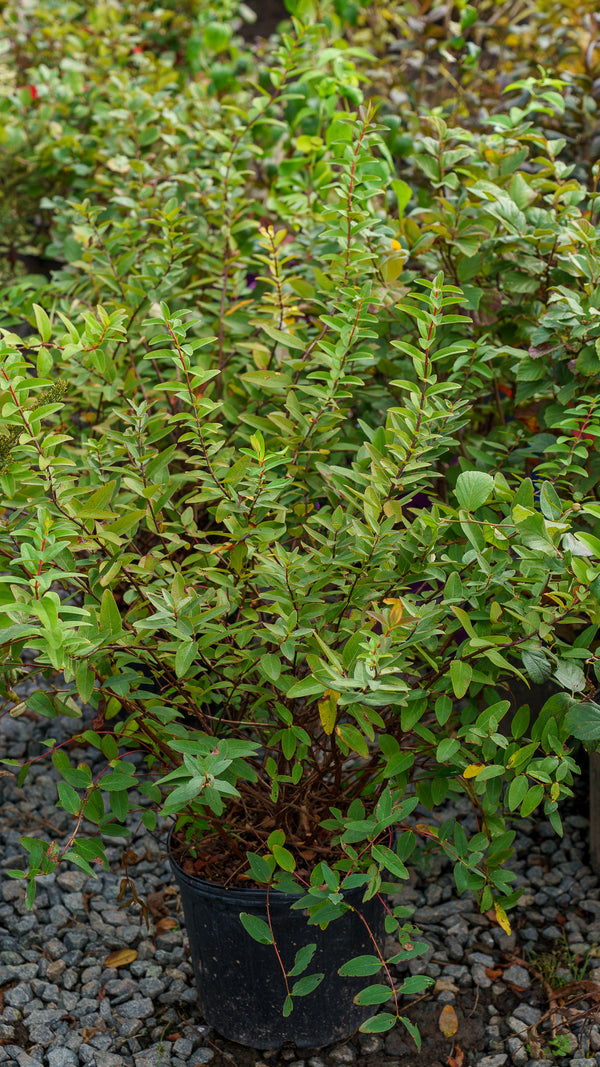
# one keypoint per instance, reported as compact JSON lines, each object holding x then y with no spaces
{"x":257,"y":928}
{"x":447,"y":748}
{"x":307,"y":687}
{"x":80,"y":862}
{"x":550,"y":502}
{"x":284,"y":858}
{"x":41,"y":704}
{"x":184,"y":657}
{"x":374,"y":994}
{"x":303,"y":957}
{"x":570,"y":675}
{"x":403,"y":193}
{"x":473,"y":488}
{"x":461,"y":674}
{"x":288,"y":1006}
{"x":260,"y":868}
{"x":94,"y":807}
{"x":84,"y":678}
{"x":555,"y":822}
{"x":537,"y":665}
{"x":43,"y":323}
{"x":116,"y":780}
{"x":583,"y":721}
{"x":69,"y":799}
{"x":44,"y":363}
{"x":289,"y":340}
{"x":416,"y":983}
{"x":378,"y":1024}
{"x":412,"y":1029}
{"x":388,"y":859}
{"x":110,"y":616}
{"x":520,"y":722}
{"x":119,"y":804}
{"x":306,"y":985}
{"x":270,"y":665}
{"x":360,"y":966}
{"x":517,"y":790}
{"x":216,"y":36}
{"x":534,"y":796}
{"x":353,"y":738}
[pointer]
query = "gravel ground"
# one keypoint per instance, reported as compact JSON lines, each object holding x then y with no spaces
{"x":61,"y":1006}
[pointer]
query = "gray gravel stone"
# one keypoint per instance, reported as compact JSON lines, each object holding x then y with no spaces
{"x":517,"y":1051}
{"x":140,"y":1008}
{"x":480,"y":977}
{"x":120,"y":987}
{"x":493,"y":1061}
{"x":183,"y":1047}
{"x":59,"y":915}
{"x":72,"y":881}
{"x":18,"y":996}
{"x":369,"y":1044}
{"x":343,"y":1054}
{"x":527,"y":1013}
{"x":517,"y":976}
{"x":518,"y":1026}
{"x":151,"y":987}
{"x":112,"y":1059}
{"x":44,"y":1017}
{"x":23,"y":1058}
{"x":62,"y":1057}
{"x":481,"y":958}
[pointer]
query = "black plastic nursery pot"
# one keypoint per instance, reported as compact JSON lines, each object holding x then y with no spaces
{"x":241,"y":988}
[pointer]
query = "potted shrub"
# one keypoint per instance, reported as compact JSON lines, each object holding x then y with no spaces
{"x":235,"y":523}
{"x":325,"y":650}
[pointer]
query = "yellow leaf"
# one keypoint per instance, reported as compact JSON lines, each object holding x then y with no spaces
{"x":121,"y":957}
{"x":397,"y":610}
{"x":473,"y":770}
{"x":328,"y":710}
{"x":502,"y":919}
{"x":448,"y":1021}
{"x":220,"y":548}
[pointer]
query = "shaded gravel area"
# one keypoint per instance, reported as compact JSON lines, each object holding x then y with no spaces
{"x":62,"y":1006}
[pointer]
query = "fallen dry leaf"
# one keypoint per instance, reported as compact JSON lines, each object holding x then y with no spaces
{"x":457,"y":1059}
{"x":494,"y":973}
{"x":448,"y":1021}
{"x":166,"y":924}
{"x":121,"y":957}
{"x":156,"y":905}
